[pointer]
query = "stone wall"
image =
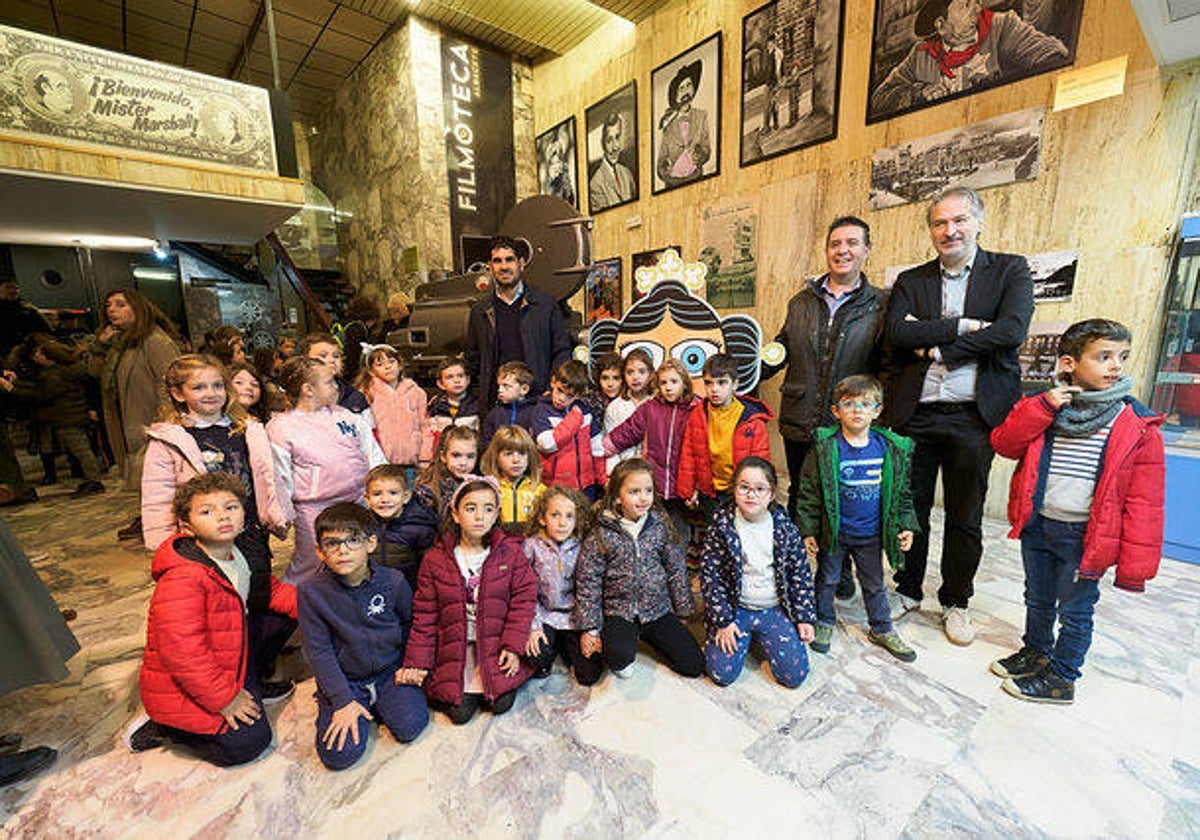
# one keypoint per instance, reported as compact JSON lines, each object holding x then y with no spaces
{"x":380,"y":155}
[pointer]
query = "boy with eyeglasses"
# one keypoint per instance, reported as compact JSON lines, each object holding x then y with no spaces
{"x":855,"y":502}
{"x":356,"y":619}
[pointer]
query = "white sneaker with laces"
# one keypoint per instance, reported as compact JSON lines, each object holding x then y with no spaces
{"x":906,"y":605}
{"x":956,"y":623}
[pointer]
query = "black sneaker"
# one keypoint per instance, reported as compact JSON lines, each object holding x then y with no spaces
{"x":277,"y":692}
{"x":88,"y":488}
{"x":1023,"y":663}
{"x":144,"y":734}
{"x":19,"y":766}
{"x":1043,"y":687}
{"x":132,"y":531}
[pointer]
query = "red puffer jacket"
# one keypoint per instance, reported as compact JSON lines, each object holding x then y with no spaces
{"x":196,"y":638}
{"x":504,"y":609}
{"x":749,"y":438}
{"x":1125,"y":528}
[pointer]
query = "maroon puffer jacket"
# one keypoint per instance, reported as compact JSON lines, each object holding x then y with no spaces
{"x":504,"y":609}
{"x":195,"y":658}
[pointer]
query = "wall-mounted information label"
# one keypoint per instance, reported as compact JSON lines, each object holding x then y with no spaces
{"x":1090,"y":84}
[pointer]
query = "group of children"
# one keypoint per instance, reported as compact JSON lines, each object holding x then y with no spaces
{"x":422,"y":582}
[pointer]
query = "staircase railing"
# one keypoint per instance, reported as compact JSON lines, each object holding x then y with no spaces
{"x":298,"y":283}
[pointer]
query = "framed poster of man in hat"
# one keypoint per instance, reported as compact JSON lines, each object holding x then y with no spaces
{"x":935,"y":50}
{"x":685,"y":99}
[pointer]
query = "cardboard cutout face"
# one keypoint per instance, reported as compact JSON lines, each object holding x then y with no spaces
{"x":673,"y":321}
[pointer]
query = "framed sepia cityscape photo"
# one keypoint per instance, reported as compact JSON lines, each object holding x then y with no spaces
{"x":685,"y":105}
{"x":928,"y":52}
{"x":612,"y":150}
{"x":791,"y":67}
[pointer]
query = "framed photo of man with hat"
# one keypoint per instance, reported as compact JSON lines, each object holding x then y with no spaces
{"x":685,"y":106}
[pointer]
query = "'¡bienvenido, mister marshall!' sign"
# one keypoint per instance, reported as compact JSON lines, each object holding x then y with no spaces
{"x":62,"y":90}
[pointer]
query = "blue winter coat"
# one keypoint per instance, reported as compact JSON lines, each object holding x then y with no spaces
{"x":721,"y":570}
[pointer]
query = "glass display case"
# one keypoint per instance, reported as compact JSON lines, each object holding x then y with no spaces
{"x":1177,"y":378}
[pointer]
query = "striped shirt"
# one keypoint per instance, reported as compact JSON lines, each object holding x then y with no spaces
{"x":1074,"y":467}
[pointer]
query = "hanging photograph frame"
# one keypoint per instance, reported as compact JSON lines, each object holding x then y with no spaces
{"x":686,"y":134}
{"x":612,"y":150}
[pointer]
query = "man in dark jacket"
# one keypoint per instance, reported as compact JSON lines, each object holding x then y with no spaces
{"x":832,"y":330}
{"x":954,"y":325}
{"x":17,"y":320}
{"x":514,"y":323}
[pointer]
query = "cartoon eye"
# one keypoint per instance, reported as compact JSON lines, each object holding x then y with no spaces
{"x":654,"y":349}
{"x":693,"y":353}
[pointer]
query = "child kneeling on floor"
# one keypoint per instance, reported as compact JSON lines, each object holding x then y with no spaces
{"x":476,"y":594}
{"x":1086,"y":495}
{"x":205,"y":654}
{"x":355,"y":617}
{"x":855,"y":502}
{"x":756,"y":581}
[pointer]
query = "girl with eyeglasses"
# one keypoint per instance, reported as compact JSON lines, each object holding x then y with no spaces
{"x":756,"y":581}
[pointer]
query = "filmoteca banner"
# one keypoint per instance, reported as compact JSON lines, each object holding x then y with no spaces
{"x":477,"y":100}
{"x":58,"y":89}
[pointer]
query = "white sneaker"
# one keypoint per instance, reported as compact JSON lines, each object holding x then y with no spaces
{"x":907,"y":605}
{"x":624,"y":673}
{"x":956,"y":623}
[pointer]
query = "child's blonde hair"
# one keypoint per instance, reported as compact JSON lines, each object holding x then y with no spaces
{"x":511,"y":439}
{"x":171,"y":410}
{"x":297,"y":372}
{"x":583,"y":510}
{"x":363,"y":381}
{"x":677,"y":366}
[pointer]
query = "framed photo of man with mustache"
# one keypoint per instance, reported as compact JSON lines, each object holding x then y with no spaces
{"x":685,"y":107}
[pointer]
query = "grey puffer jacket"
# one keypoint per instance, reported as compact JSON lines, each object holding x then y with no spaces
{"x":618,"y":576}
{"x":822,"y":351}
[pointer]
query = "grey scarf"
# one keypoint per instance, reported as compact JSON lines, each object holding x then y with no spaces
{"x":1090,"y":411}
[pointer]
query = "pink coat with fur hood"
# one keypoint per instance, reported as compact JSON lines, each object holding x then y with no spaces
{"x":173,"y":456}
{"x":400,"y":420}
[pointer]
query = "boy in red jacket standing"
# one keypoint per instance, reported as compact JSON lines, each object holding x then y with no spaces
{"x":205,"y":653}
{"x":1086,"y":495}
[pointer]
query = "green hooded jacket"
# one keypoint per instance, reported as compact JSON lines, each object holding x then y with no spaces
{"x":817,"y":503}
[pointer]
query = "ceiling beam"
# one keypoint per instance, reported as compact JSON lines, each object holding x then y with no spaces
{"x":239,"y":63}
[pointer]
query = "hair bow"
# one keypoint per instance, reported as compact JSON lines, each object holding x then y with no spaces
{"x":368,"y":349}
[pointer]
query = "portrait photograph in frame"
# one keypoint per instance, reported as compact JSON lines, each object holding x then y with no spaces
{"x":791,"y":67}
{"x":939,"y":50}
{"x":612,"y":149}
{"x":603,"y":298}
{"x":556,"y":168}
{"x":685,"y":107}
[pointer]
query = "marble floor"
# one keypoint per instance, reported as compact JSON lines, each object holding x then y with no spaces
{"x":867,"y":747}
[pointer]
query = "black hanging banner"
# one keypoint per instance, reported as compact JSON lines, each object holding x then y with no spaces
{"x":477,"y":93}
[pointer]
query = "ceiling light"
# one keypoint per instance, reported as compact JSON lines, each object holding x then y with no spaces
{"x":115,"y":243}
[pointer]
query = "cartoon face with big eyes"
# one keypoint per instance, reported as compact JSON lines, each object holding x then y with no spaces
{"x":671,"y":322}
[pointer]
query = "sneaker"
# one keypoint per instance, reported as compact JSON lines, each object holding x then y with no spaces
{"x":1043,"y":687}
{"x":132,"y":531}
{"x":956,"y":622}
{"x":893,"y":644}
{"x":143,"y":734}
{"x":19,"y":766}
{"x":88,"y":488}
{"x":1023,"y":663}
{"x":822,"y":638}
{"x":904,"y":605}
{"x":276,"y":692}
{"x":624,"y":673}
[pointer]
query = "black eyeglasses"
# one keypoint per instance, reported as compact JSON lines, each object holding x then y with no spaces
{"x":332,"y":544}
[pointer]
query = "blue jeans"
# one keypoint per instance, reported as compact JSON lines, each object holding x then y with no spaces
{"x":868,"y":565}
{"x":401,"y":708}
{"x":780,"y":642}
{"x":1051,"y":551}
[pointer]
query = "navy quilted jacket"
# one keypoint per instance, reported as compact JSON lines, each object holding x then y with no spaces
{"x":721,"y":570}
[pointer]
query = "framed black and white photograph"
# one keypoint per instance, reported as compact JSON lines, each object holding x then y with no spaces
{"x":557,"y":173}
{"x":933,"y":51}
{"x":791,"y":65}
{"x":685,"y":105}
{"x":998,"y":151}
{"x":612,"y":150}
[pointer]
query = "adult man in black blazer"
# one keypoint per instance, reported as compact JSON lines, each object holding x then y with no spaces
{"x":954,"y":326}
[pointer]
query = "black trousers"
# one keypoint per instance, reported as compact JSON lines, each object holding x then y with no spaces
{"x":666,"y":635}
{"x":951,"y":438}
{"x":794,"y":451}
{"x":566,"y":642}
